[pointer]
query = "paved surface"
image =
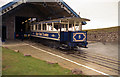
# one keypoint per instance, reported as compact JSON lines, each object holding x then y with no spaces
{"x":107,"y":49}
{"x":26,"y":49}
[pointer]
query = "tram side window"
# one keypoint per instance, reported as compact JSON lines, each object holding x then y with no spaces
{"x":36,"y":26}
{"x":39,"y":27}
{"x":62,"y":27}
{"x":70,"y":27}
{"x":77,"y":26}
{"x":44,"y":27}
{"x":66,"y":27}
{"x":31,"y":27}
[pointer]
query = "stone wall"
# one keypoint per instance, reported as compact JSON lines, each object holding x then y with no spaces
{"x":103,"y":35}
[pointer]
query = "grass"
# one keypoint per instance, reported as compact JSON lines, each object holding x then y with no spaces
{"x":17,"y":64}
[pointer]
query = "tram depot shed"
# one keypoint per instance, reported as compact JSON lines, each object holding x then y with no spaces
{"x":16,"y":12}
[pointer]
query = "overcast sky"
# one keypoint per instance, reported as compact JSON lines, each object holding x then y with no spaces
{"x":102,"y":13}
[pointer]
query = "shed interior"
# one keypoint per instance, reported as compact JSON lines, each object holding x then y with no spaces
{"x":42,"y":11}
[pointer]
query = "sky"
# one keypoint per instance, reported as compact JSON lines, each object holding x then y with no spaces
{"x":102,"y":13}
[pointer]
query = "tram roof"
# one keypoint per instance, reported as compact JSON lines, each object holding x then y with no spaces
{"x":64,"y":19}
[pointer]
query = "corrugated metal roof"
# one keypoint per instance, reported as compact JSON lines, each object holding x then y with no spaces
{"x":15,"y":1}
{"x":8,"y":5}
{"x":70,"y":9}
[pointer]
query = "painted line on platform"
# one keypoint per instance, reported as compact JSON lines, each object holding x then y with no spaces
{"x":70,"y":61}
{"x":16,"y":45}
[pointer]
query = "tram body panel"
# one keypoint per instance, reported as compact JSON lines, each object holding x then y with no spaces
{"x":47,"y":35}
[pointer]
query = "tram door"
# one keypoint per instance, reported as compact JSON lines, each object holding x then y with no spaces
{"x":3,"y":33}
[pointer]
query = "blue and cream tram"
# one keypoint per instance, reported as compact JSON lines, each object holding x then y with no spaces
{"x":67,"y":31}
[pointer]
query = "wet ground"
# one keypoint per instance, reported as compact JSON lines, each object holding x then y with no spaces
{"x":108,"y":50}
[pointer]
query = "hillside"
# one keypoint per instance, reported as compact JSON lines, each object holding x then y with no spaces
{"x":104,"y":35}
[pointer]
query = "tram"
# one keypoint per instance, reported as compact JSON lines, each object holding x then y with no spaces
{"x":67,"y":31}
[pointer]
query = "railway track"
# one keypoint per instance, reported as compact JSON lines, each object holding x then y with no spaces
{"x":101,"y":63}
{"x":106,"y":62}
{"x":98,"y":57}
{"x":110,"y":64}
{"x":103,"y":57}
